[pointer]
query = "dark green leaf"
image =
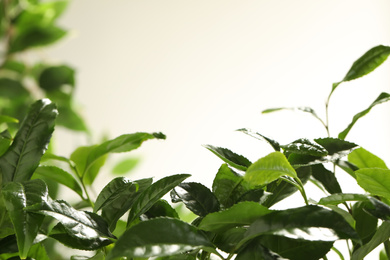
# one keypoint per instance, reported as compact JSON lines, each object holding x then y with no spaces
{"x":59,"y":176}
{"x":228,"y":186}
{"x":364,"y":159}
{"x":240,"y":214}
{"x":197,"y":198}
{"x":22,"y":158}
{"x":71,"y":119}
{"x":120,"y":197}
{"x":160,"y":209}
{"x":17,"y":197}
{"x":304,"y":146}
{"x":8,"y":245}
{"x":366,"y":224}
{"x":338,"y":198}
{"x":125,"y":166}
{"x":255,"y":251}
{"x":178,"y":257}
{"x":268,"y":169}
{"x":256,"y":135}
{"x":234,"y":160}
{"x":383,"y":97}
{"x":152,"y":194}
{"x":296,"y":249}
{"x":335,"y":146}
{"x":326,"y":177}
{"x":228,"y":240}
{"x":53,"y":78}
{"x":311,"y":223}
{"x":380,"y":236}
{"x":174,"y":237}
{"x":12,"y":89}
{"x":375,"y":181}
{"x":378,"y":209}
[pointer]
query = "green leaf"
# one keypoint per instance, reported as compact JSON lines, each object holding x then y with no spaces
{"x":255,"y":251}
{"x":228,"y":186}
{"x":268,"y":169}
{"x":197,"y":198}
{"x":160,"y":209}
{"x":174,"y":237}
{"x":296,"y":249}
{"x":22,"y":158}
{"x":240,"y":214}
{"x":8,"y":245}
{"x":378,"y":209}
{"x":228,"y":240}
{"x":5,"y":141}
{"x":310,"y":222}
{"x":152,"y":194}
{"x":336,"y":146}
{"x":8,"y":119}
{"x":375,"y":181}
{"x":304,"y":146}
{"x":118,"y":197}
{"x":234,"y":160}
{"x":348,"y":167}
{"x":53,"y":78}
{"x":364,"y":159}
{"x":275,"y":145}
{"x":123,"y":143}
{"x":38,"y":251}
{"x":79,"y":229}
{"x":125,"y":166}
{"x":17,"y":197}
{"x":380,"y":236}
{"x":383,"y":97}
{"x":366,"y":224}
{"x":327,"y":178}
{"x":59,"y":176}
{"x":14,"y":66}
{"x":338,"y":198}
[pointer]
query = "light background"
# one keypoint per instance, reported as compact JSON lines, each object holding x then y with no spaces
{"x":199,"y":70}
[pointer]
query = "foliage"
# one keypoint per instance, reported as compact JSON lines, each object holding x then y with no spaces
{"x":131,"y":219}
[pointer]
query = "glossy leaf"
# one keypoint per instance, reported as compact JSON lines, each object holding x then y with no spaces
{"x":240,"y":214}
{"x":327,"y":178}
{"x":22,"y":158}
{"x":76,"y":227}
{"x":311,"y":223}
{"x":174,"y":237}
{"x":275,"y":145}
{"x":336,"y":146}
{"x":123,"y":143}
{"x":118,"y":197}
{"x":268,"y":169}
{"x":380,"y":236}
{"x":53,"y":78}
{"x":197,"y":198}
{"x":256,"y":251}
{"x":160,"y":209}
{"x":305,"y":146}
{"x":383,"y":97}
{"x":338,"y":198}
{"x":228,"y":186}
{"x":17,"y":197}
{"x":60,"y":176}
{"x":364,"y":159}
{"x":375,"y":181}
{"x":366,"y":224}
{"x":378,"y":209}
{"x":296,"y":249}
{"x":152,"y":194}
{"x":234,"y":160}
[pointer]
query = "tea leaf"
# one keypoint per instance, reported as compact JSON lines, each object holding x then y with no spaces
{"x":258,"y":136}
{"x":366,"y":224}
{"x":338,"y":198}
{"x":235,"y":160}
{"x":256,"y":251}
{"x":304,"y":146}
{"x":375,"y":181}
{"x":326,"y":178}
{"x":364,"y":159}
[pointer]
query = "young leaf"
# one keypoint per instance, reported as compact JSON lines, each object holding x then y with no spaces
{"x":338,"y":198}
{"x":304,"y":146}
{"x":240,"y":214}
{"x":152,"y":194}
{"x":375,"y":181}
{"x":326,"y":177}
{"x":258,"y":136}
{"x":383,"y":97}
{"x":235,"y":160}
{"x":380,"y":236}
{"x":17,"y":196}
{"x":174,"y":237}
{"x":59,"y":176}
{"x":268,"y":169}
{"x":118,"y":197}
{"x":19,"y":162}
{"x":364,"y":159}
{"x":197,"y":198}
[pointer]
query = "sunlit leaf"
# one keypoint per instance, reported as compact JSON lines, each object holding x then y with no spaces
{"x":375,"y":181}
{"x":235,"y":160}
{"x":364,"y":159}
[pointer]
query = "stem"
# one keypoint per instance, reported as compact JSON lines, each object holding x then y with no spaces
{"x":88,"y":199}
{"x":298,"y":184}
{"x":338,"y":253}
{"x":387,"y":248}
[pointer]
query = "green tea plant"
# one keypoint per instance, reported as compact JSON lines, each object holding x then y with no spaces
{"x":130,"y":219}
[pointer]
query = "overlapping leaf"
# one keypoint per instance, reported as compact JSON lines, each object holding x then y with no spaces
{"x":275,"y":145}
{"x":365,"y":159}
{"x":235,"y":160}
{"x":306,"y":147}
{"x":375,"y":181}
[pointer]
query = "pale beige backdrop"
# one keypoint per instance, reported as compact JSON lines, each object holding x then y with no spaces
{"x":199,"y":70}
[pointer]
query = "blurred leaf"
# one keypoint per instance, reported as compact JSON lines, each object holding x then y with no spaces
{"x":8,"y":245}
{"x":275,"y":145}
{"x":197,"y":198}
{"x":160,"y":209}
{"x":375,"y":181}
{"x":304,"y":146}
{"x":22,"y":158}
{"x":5,"y":141}
{"x":240,"y":214}
{"x":8,"y":119}
{"x":59,"y":176}
{"x":327,"y":178}
{"x":125,"y":166}
{"x":71,"y":119}
{"x":14,"y":65}
{"x":383,"y":97}
{"x":17,"y":197}
{"x":234,"y":160}
{"x":380,"y":236}
{"x":53,"y":78}
{"x":268,"y":169}
{"x":364,"y":159}
{"x":255,"y":251}
{"x":174,"y":237}
{"x":152,"y":194}
{"x":366,"y":224}
{"x":338,"y":198}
